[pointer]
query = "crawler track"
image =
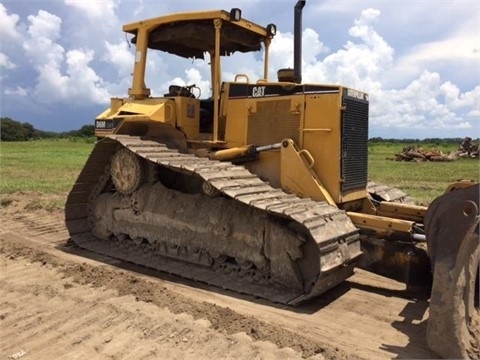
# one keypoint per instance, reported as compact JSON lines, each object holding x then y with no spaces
{"x":318,"y":228}
{"x":386,"y":193}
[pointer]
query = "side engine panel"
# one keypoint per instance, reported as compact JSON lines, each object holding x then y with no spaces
{"x":329,"y":121}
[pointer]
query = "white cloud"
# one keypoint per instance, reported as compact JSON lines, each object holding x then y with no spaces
{"x":120,"y":56}
{"x":311,"y":46}
{"x":195,"y":78}
{"x":8,"y":29}
{"x":453,"y":48}
{"x":461,"y":43}
{"x":139,"y":9}
{"x":100,"y":15}
{"x":19,"y":91}
{"x":79,"y":83}
{"x":192,"y":77}
{"x":51,"y":85}
{"x":96,"y":10}
{"x":281,"y":56}
{"x":41,"y":48}
{"x":44,"y":25}
{"x":5,"y":62}
{"x":419,"y":106}
{"x":281,"y":51}
{"x":457,"y":100}
{"x":359,"y":64}
{"x":84,"y":83}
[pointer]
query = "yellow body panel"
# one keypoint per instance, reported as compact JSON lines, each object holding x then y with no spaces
{"x":188,"y":116}
{"x":313,"y":122}
{"x":156,"y":109}
{"x":383,"y":226}
{"x":297,"y":174}
{"x":235,"y":124}
{"x":321,"y":136}
{"x":402,"y":211}
{"x":192,"y":16}
{"x":267,"y":167}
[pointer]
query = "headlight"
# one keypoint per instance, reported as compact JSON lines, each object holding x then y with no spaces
{"x":272,"y":30}
{"x":235,"y":14}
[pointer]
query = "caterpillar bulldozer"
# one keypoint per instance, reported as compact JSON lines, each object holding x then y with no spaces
{"x":262,"y":188}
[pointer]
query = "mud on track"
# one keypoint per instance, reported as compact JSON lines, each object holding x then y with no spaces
{"x":60,"y":301}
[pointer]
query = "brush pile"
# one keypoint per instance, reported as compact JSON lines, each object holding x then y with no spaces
{"x":467,"y":149}
{"x":418,"y":154}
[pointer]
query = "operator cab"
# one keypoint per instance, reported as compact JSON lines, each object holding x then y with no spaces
{"x":193,"y":35}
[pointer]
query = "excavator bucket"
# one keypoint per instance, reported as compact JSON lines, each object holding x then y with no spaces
{"x":451,"y":224}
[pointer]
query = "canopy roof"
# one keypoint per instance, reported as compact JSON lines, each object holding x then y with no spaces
{"x":190,"y":35}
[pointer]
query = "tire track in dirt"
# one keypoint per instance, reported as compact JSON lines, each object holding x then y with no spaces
{"x":56,"y":317}
{"x":92,"y":290}
{"x":363,"y":318}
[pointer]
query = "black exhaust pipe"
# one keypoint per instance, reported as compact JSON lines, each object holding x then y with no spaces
{"x":297,"y":42}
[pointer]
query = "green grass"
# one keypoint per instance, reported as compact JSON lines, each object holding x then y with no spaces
{"x":45,"y":166}
{"x":52,"y":166}
{"x":424,"y":181}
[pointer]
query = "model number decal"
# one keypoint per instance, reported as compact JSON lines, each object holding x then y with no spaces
{"x":357,"y":94}
{"x":101,"y":124}
{"x":258,"y":91}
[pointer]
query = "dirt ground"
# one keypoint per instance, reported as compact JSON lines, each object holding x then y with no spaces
{"x":58,"y":301}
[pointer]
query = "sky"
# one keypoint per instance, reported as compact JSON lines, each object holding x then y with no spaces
{"x":419,"y":60}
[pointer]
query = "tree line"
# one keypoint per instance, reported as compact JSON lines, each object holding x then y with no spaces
{"x":12,"y":130}
{"x":430,"y":141}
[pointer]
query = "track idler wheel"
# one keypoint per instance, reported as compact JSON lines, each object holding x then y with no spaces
{"x":451,"y":224}
{"x":209,"y":190}
{"x":127,"y":171}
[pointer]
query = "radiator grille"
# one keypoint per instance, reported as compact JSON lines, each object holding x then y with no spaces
{"x":354,"y":144}
{"x":272,"y":123}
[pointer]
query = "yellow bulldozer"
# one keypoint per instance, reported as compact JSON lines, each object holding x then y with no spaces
{"x":262,"y":188}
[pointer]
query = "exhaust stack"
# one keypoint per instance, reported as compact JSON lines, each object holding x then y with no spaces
{"x":297,"y":42}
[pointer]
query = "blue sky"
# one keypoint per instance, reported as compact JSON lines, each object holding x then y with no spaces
{"x":61,"y":60}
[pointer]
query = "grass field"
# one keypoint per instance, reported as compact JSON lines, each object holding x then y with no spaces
{"x":424,"y":181}
{"x":39,"y":170}
{"x":51,"y":167}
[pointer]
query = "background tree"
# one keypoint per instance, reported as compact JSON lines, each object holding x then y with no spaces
{"x":11,"y":130}
{"x":87,"y":131}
